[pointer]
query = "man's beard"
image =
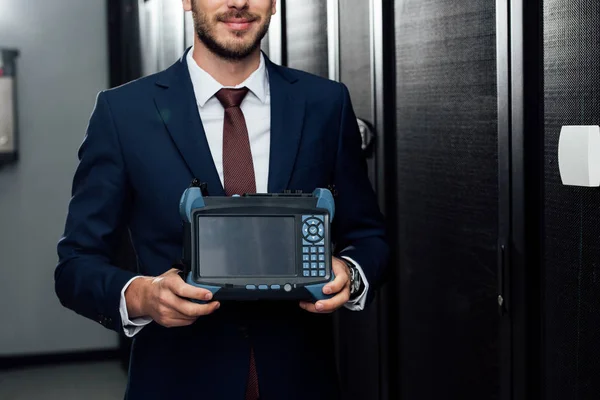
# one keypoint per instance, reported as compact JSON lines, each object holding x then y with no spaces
{"x":228,"y":51}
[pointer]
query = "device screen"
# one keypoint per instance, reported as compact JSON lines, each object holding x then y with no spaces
{"x":230,"y":246}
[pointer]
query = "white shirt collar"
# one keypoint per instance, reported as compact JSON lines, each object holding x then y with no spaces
{"x":205,"y":86}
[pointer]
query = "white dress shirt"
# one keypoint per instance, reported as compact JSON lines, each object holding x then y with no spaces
{"x":256,"y":107}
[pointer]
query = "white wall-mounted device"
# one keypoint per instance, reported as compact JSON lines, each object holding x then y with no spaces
{"x":579,"y":155}
{"x":8,"y":117}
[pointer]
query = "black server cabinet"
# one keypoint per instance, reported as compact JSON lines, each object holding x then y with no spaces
{"x":447,"y":198}
{"x":571,"y":228}
{"x":125,"y":54}
{"x":551,"y":66}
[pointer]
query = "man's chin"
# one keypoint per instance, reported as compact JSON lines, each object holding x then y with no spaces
{"x":235,"y":52}
{"x":240,"y":46}
{"x":232,"y":44}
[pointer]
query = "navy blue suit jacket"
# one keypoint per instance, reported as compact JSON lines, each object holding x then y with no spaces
{"x":144,"y":145}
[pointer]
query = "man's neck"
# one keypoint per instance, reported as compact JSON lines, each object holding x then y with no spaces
{"x":226,"y":72}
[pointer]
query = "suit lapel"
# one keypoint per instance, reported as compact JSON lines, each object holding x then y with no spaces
{"x":287,"y":117}
{"x":177,"y":107}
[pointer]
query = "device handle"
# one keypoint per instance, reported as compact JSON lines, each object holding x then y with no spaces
{"x":367,"y":134}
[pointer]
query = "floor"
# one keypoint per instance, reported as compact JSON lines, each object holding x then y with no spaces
{"x":89,"y":381}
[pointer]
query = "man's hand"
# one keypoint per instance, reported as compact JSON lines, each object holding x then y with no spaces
{"x":165,"y":300}
{"x":340,"y":285}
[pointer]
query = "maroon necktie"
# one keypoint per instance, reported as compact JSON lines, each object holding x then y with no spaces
{"x":238,"y":169}
{"x":238,"y":175}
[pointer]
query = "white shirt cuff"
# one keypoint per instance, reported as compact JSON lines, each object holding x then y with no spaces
{"x":130,"y":327}
{"x":358,"y":304}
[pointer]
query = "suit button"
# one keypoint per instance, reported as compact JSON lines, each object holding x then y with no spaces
{"x":104,"y":321}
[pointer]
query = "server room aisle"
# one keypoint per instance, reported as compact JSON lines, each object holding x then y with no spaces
{"x":90,"y":381}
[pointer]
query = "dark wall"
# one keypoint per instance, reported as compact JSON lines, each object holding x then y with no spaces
{"x":447,"y":198}
{"x":572,"y":215}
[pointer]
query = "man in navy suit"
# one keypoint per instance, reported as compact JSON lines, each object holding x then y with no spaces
{"x":228,"y":116}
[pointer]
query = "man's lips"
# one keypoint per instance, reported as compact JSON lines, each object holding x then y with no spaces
{"x":238,"y":23}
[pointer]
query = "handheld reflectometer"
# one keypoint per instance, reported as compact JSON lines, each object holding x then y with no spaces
{"x":258,"y":246}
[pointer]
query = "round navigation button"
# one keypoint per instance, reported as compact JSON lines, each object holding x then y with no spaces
{"x":313,"y":230}
{"x":314,"y":238}
{"x":305,"y":229}
{"x":287,"y":287}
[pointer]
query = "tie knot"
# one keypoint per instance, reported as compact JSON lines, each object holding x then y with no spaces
{"x":231,"y":97}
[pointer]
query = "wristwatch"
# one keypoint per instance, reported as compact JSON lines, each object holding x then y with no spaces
{"x":356,"y":283}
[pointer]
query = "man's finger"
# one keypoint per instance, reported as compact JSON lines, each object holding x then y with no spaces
{"x":332,"y":304}
{"x":327,"y":306}
{"x":194,"y":310}
{"x":310,"y":307}
{"x":172,"y":271}
{"x":187,"y":291}
{"x":173,"y":305}
{"x":185,"y":309}
{"x":339,"y":282}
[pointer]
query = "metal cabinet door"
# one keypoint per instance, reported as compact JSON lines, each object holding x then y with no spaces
{"x":447,"y":198}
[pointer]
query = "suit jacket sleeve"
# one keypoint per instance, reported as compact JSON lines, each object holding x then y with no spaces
{"x":86,"y":279}
{"x":358,"y":225}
